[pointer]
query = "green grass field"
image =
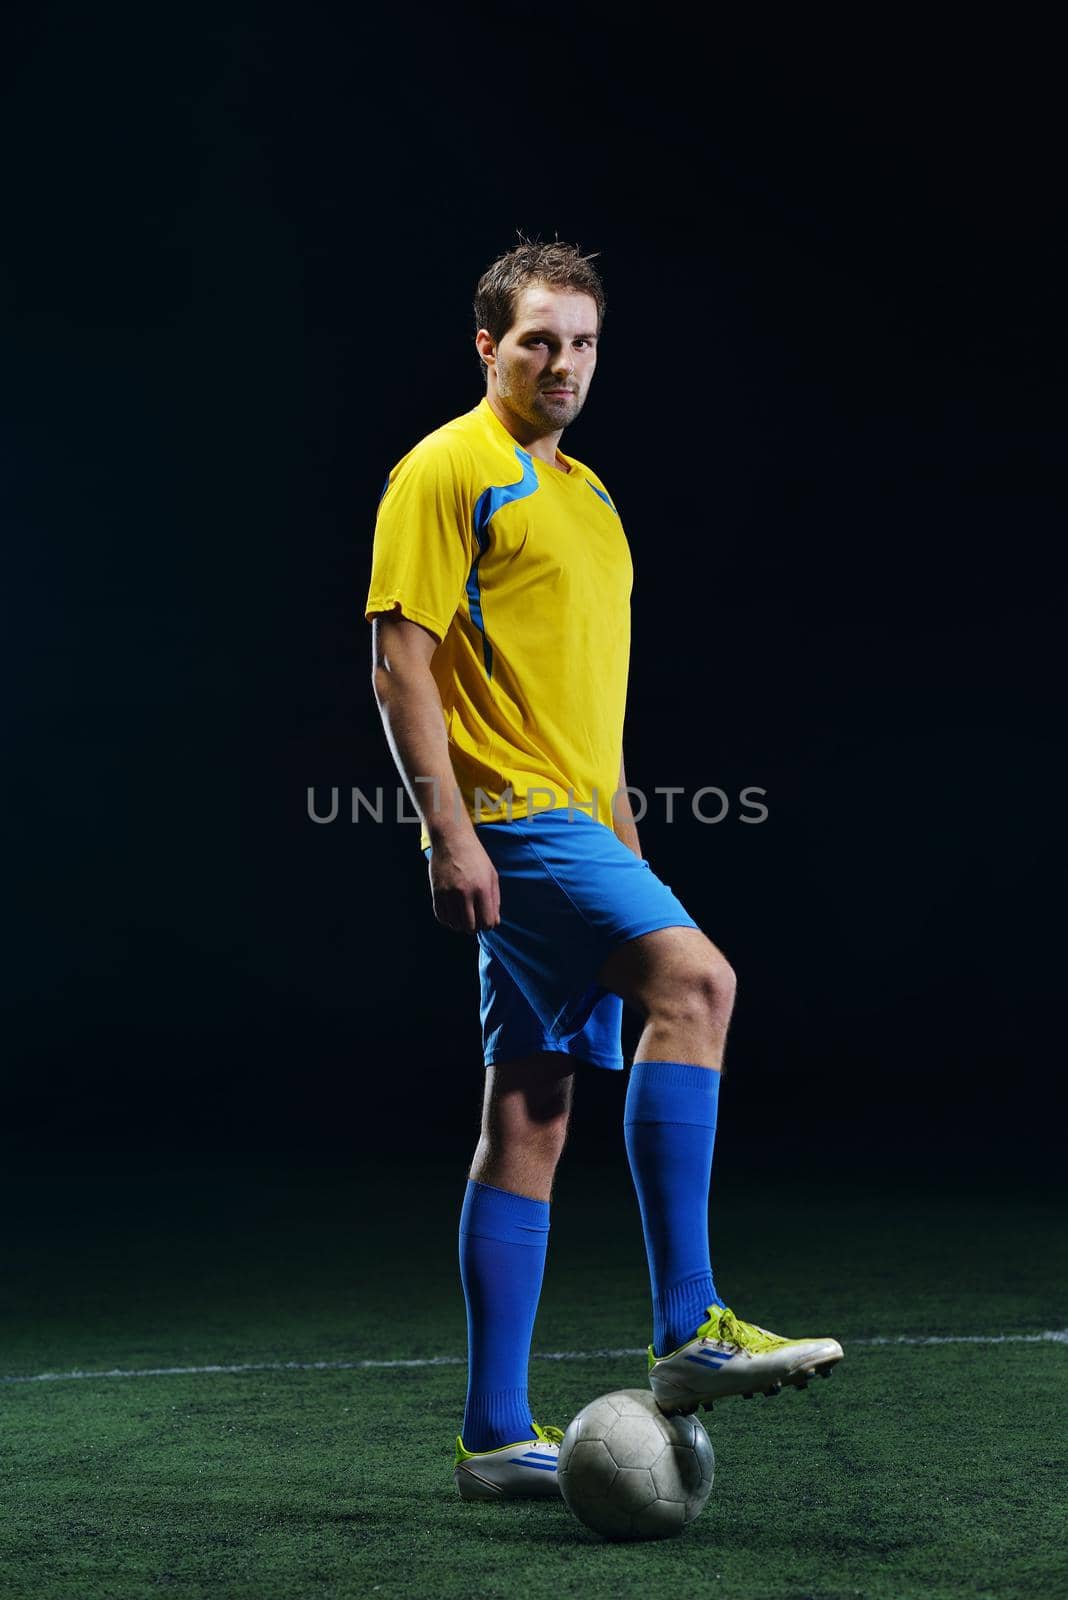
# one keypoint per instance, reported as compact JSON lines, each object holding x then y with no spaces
{"x":919,"y":1470}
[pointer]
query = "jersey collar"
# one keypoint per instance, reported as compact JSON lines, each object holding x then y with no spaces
{"x":573,"y":466}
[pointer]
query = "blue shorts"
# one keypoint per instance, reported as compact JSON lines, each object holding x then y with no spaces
{"x":571,"y":892}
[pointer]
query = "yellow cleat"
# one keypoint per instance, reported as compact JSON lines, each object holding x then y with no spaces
{"x":728,"y":1356}
{"x":523,"y":1471}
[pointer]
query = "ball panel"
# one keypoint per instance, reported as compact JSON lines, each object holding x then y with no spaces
{"x":610,"y":1521}
{"x":639,"y":1402}
{"x":683,"y":1430}
{"x":677,"y":1474}
{"x":660,"y":1520}
{"x":635,"y":1441}
{"x":594,"y":1420}
{"x":586,"y":1471}
{"x":633,"y":1489}
{"x":702,"y":1449}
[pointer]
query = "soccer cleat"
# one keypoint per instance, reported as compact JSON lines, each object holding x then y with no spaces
{"x":523,"y":1471}
{"x":728,"y":1356}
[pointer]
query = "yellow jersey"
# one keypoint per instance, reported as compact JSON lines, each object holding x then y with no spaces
{"x":523,"y":573}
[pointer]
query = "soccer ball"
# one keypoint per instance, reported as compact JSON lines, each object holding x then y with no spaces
{"x":629,"y":1472}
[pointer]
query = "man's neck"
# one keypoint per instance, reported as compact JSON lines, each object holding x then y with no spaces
{"x":545,"y":446}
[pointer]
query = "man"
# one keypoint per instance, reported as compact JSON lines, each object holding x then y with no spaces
{"x":499,"y":595}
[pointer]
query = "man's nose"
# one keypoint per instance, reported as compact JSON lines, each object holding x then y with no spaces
{"x":564,"y":361}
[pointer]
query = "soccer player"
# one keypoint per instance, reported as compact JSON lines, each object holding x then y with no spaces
{"x":499,"y":596}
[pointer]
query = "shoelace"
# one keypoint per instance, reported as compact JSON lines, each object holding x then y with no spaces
{"x":745,"y":1335}
{"x":549,"y":1435}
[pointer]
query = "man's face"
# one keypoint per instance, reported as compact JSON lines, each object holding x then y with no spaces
{"x":542,"y":367}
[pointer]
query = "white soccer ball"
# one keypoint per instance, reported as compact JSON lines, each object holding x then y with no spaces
{"x":629,"y":1472}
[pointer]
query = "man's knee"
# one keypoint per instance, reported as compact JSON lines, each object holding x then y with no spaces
{"x":702,"y":994}
{"x":675,"y":974}
{"x":529,"y":1103}
{"x":719,"y":985}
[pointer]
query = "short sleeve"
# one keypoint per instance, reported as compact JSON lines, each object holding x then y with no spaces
{"x":424,"y":539}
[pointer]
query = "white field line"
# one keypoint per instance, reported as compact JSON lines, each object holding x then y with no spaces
{"x":1059,"y":1336}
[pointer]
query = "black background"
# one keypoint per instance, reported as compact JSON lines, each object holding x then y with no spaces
{"x":239,"y":255}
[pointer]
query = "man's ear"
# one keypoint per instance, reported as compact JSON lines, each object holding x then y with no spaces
{"x":487,"y":350}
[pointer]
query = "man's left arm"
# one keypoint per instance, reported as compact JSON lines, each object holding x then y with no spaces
{"x":626,"y":828}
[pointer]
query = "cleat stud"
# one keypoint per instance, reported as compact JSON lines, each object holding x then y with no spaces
{"x":775,"y":1389}
{"x":748,"y":1395}
{"x":826,"y":1372}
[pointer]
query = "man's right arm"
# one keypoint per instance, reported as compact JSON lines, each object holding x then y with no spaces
{"x":463,"y":879}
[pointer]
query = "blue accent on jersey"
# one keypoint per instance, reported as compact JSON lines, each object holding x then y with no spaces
{"x":487,"y":506}
{"x":603,"y":496}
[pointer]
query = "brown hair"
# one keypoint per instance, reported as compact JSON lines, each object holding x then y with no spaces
{"x":562,"y":266}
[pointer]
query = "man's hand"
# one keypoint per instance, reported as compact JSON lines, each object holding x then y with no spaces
{"x":463,"y":883}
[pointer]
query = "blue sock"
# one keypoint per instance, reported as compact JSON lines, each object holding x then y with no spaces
{"x":503,"y":1240}
{"x":669,"y":1124}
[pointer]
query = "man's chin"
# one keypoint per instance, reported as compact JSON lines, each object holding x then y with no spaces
{"x":559,"y":412}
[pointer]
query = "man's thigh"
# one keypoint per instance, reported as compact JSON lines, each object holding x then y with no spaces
{"x":660,"y":963}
